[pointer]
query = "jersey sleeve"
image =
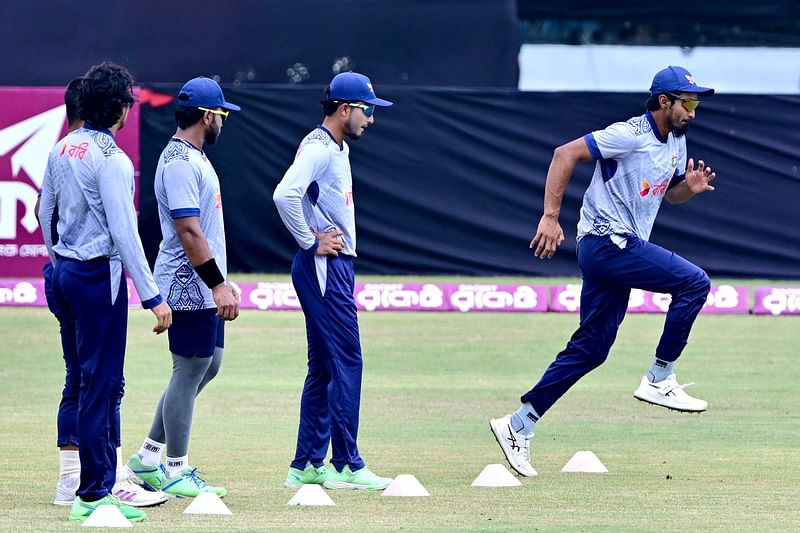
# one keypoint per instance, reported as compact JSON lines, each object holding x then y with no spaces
{"x":613,"y":142}
{"x":115,"y":184}
{"x":47,"y":205}
{"x":309,"y":164}
{"x":182,"y":185}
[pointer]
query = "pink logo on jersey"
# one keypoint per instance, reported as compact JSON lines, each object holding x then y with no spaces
{"x":661,"y":188}
{"x":656,"y":190}
{"x":348,"y":198}
{"x":218,"y":201}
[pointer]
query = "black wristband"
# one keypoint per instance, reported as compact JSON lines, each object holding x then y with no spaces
{"x":209,"y":273}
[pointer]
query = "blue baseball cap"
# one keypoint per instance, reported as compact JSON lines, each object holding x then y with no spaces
{"x":354,"y":87}
{"x":677,"y":80}
{"x":204,"y":92}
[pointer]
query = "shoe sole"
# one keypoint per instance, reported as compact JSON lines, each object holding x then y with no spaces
{"x":343,"y":485}
{"x":671,"y":408}
{"x":505,"y":454}
{"x":63,"y":503}
{"x":151,"y":504}
{"x":291,"y":485}
{"x":83,"y":518}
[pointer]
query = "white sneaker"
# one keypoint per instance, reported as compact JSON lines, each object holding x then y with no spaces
{"x":135,"y":495}
{"x":66,"y":486}
{"x":515,"y":446}
{"x":668,"y":393}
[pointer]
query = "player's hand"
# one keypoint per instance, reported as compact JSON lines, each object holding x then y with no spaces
{"x":329,"y":242}
{"x":164,"y":315}
{"x":227,"y":301}
{"x":698,"y":179}
{"x":549,"y":236}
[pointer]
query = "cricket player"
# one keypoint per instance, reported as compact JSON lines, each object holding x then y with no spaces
{"x":90,"y":181}
{"x":315,"y":202}
{"x":69,"y":474}
{"x":191,"y":269}
{"x":638,"y":163}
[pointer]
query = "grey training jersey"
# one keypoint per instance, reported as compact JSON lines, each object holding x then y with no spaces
{"x":635,"y":167}
{"x":90,"y":179}
{"x":316,"y":193}
{"x":186,"y":185}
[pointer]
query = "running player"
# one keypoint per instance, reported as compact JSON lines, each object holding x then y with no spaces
{"x":191,"y":268}
{"x":639,"y":163}
{"x":315,"y":202}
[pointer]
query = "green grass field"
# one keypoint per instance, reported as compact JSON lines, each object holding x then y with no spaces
{"x":431,"y":383}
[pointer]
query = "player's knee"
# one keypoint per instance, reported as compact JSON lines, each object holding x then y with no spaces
{"x":213,"y":369}
{"x":700,"y":283}
{"x":596,"y":358}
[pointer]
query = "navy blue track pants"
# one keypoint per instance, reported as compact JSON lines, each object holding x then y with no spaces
{"x":67,"y":420}
{"x":329,"y":406}
{"x":83,"y":293}
{"x":608,"y":274}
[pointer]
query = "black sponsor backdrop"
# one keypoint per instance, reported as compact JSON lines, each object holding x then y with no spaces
{"x":452,"y":180}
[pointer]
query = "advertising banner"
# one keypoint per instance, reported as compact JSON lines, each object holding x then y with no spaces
{"x":723,"y":299}
{"x":459,"y":297}
{"x":777,"y":301}
{"x":410,"y":297}
{"x":32,"y":120}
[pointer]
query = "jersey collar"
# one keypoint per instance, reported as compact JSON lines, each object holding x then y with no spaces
{"x":654,"y":127}
{"x":88,"y":126}
{"x":323,"y":128}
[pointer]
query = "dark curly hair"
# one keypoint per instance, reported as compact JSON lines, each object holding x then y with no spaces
{"x":72,"y":99}
{"x":105,"y":91}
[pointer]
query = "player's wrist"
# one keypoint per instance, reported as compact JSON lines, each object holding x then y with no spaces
{"x":210,"y":273}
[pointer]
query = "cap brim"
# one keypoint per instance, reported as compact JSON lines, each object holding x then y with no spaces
{"x":379,"y":102}
{"x":230,"y":107}
{"x":702,"y":91}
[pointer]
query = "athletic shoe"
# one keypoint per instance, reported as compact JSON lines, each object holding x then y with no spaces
{"x":361,"y":479}
{"x":151,"y":477}
{"x":81,"y":510}
{"x":66,"y":486}
{"x":668,"y":393}
{"x":189,"y":485}
{"x":312,"y":475}
{"x":515,"y":446}
{"x":135,"y":495}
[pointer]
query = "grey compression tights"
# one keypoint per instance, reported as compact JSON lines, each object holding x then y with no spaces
{"x":172,"y":422}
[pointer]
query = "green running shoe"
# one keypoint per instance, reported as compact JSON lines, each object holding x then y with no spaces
{"x":362,"y":479}
{"x":152,"y":477}
{"x":312,"y":475}
{"x":81,"y":510}
{"x":189,"y":485}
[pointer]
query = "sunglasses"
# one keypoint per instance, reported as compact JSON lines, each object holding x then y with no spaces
{"x":689,"y":104}
{"x":367,"y":109}
{"x":224,"y":114}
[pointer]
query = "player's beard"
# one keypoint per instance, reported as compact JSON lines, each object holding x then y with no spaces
{"x":352,"y":133}
{"x":212,"y":134}
{"x":681,"y":131}
{"x":678,"y":129}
